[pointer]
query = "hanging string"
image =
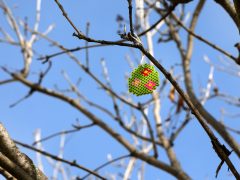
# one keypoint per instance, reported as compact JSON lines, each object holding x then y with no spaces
{"x":142,"y":61}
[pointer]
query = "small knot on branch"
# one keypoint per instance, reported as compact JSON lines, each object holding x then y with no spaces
{"x":220,"y":148}
{"x":78,"y":35}
{"x":131,"y":37}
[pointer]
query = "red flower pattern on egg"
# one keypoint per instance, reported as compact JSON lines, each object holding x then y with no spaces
{"x":146,"y":71}
{"x":150,"y":85}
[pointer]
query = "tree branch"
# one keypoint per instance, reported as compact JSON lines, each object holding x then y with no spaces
{"x":10,"y":150}
{"x":13,"y":168}
{"x":227,"y":6}
{"x":6,"y":174}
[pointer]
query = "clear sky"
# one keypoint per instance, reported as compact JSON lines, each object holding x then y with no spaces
{"x":90,"y":147}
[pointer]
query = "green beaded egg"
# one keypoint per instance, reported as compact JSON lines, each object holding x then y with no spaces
{"x":143,"y":80}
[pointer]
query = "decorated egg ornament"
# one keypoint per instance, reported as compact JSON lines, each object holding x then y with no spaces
{"x":144,"y":80}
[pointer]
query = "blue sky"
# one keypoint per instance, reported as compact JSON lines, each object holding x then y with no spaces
{"x":90,"y":147}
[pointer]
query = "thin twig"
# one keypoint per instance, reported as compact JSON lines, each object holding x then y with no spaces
{"x":150,"y":131}
{"x":174,"y":135}
{"x":37,"y":21}
{"x":130,"y":16}
{"x":106,"y":164}
{"x":48,"y":57}
{"x":200,"y":38}
{"x":86,"y":45}
{"x":170,"y":10}
{"x":76,"y":129}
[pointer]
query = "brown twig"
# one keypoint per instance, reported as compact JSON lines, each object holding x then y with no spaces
{"x":227,"y":6}
{"x":170,"y":10}
{"x":200,"y":38}
{"x":174,"y":135}
{"x":106,"y":164}
{"x":76,"y":129}
{"x":130,"y":16}
{"x":86,"y":45}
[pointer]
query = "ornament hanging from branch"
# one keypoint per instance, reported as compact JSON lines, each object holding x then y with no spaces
{"x":144,"y":80}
